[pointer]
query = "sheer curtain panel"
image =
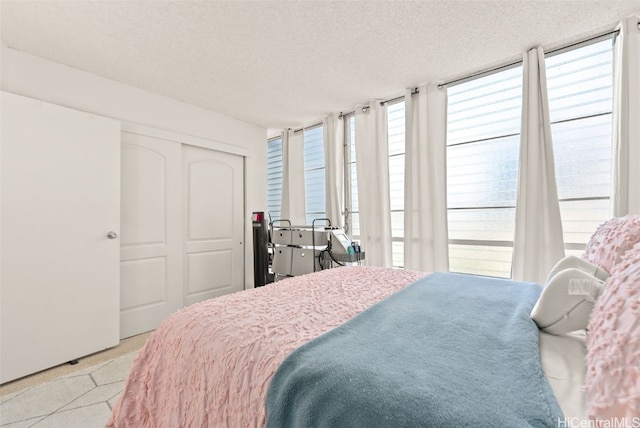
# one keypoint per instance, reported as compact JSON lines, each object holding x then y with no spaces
{"x":626,"y":119}
{"x":373,"y":184}
{"x":293,"y":194}
{"x":334,"y":168}
{"x":538,"y":243}
{"x":425,"y":212}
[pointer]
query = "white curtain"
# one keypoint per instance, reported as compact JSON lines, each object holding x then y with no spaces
{"x":425,"y":191}
{"x":334,"y":168}
{"x":626,"y":120}
{"x":293,"y":193}
{"x":372,"y":167}
{"x":538,"y":242}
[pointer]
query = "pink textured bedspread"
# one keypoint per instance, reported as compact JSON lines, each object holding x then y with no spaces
{"x":210,"y":364}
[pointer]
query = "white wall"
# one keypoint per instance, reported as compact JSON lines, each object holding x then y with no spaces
{"x":35,"y":77}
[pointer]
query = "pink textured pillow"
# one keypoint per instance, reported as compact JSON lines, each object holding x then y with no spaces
{"x":613,"y":345}
{"x":611,"y":240}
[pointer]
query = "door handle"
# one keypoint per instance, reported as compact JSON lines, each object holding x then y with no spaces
{"x":112,"y":235}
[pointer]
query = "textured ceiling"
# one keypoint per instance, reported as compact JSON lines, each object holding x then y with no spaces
{"x":282,"y":64}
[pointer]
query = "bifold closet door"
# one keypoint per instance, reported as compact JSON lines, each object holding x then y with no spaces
{"x":151,"y":240}
{"x":60,"y":204}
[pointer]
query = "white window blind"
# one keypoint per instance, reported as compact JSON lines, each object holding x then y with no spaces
{"x":483,"y":136}
{"x":352,"y":218}
{"x":314,"y":173}
{"x":396,"y":138}
{"x":396,"y":141}
{"x":580,"y":89}
{"x":274,"y":177}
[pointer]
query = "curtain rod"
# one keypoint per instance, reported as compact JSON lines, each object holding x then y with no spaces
{"x":295,"y":131}
{"x":503,"y":67}
{"x":515,"y":63}
{"x":479,"y":74}
{"x":401,"y":97}
{"x":391,"y":100}
{"x":593,"y":39}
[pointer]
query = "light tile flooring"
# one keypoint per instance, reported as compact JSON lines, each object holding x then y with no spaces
{"x":81,"y":398}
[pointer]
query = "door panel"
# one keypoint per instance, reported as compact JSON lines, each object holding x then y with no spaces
{"x":207,"y":219}
{"x":213,"y":190}
{"x":144,"y":170}
{"x":145,"y":283}
{"x":59,"y":271}
{"x":151,"y":250}
{"x":207,"y":270}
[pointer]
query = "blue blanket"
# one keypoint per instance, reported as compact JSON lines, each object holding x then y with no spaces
{"x":450,"y":350}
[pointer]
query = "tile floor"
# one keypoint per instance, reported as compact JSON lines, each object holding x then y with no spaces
{"x":68,"y":396}
{"x":83,"y":399}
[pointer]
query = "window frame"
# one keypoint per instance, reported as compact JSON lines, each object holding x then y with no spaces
{"x":575,"y":246}
{"x":270,"y":141}
{"x":348,"y":120}
{"x":486,"y":243}
{"x":315,"y":214}
{"x":397,"y":239}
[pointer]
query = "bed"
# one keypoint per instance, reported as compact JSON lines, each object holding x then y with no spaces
{"x":261,"y":357}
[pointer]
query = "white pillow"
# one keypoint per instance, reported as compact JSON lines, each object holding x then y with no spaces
{"x":566,"y":302}
{"x":580,"y":264}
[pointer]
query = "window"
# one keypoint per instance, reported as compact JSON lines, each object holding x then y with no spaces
{"x":314,"y":173}
{"x":482,"y":156}
{"x":396,"y":141}
{"x":352,"y":217}
{"x":579,"y":83}
{"x":483,"y":139}
{"x":274,"y":177}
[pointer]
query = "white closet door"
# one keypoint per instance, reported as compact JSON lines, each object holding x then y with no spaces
{"x":151,"y":239}
{"x":214,"y":232}
{"x":182,"y":228}
{"x":60,"y":197}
